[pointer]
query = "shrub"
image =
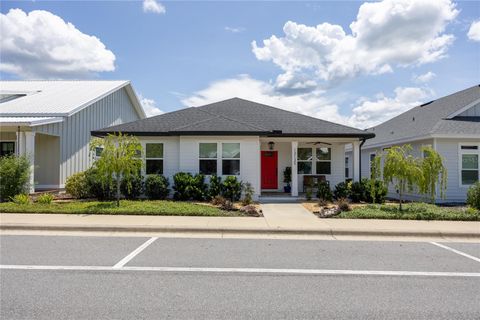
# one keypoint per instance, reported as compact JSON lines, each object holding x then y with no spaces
{"x":189,"y":187}
{"x":322,"y":202}
{"x":343,"y":204}
{"x":227,"y":205}
{"x":323,"y":191}
{"x":156,"y":186}
{"x":132,"y":186}
{"x":98,"y":187}
{"x":14,"y":176}
{"x":380,"y":191}
{"x":342,"y":190}
{"x":215,"y":186}
{"x":218,"y":200}
{"x":45,"y":198}
{"x":308,"y":194}
{"x":76,"y":185}
{"x":473,"y":196}
{"x":198,"y":188}
{"x":247,"y":194}
{"x":232,"y":188}
{"x":357,"y":191}
{"x":21,"y":199}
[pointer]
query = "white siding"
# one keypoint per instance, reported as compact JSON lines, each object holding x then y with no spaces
{"x":171,"y":156}
{"x":74,"y":131}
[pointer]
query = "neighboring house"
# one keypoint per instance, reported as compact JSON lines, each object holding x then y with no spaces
{"x":451,"y":125}
{"x":252,"y":141}
{"x":50,"y":122}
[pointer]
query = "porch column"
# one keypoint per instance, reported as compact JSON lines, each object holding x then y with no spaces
{"x":294,"y":169}
{"x":30,"y":152}
{"x":356,"y":160}
{"x":20,"y":146}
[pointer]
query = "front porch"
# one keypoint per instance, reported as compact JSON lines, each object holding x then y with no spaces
{"x":320,"y":158}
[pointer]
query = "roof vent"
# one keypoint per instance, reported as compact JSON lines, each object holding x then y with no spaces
{"x":413,"y":119}
{"x":391,"y":132}
{"x":426,"y":104}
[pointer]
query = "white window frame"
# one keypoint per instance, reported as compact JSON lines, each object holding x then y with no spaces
{"x":461,"y":152}
{"x":216,"y":159}
{"x":312,"y":161}
{"x":145,"y":158}
{"x":14,"y":145}
{"x":221,"y":158}
{"x":315,"y":161}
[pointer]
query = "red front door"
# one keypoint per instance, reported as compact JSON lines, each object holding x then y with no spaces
{"x":269,"y":160}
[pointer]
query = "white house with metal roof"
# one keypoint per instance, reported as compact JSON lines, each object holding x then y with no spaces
{"x":451,"y":125}
{"x":51,"y":121}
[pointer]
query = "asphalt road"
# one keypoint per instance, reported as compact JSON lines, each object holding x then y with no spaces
{"x":66,"y":277}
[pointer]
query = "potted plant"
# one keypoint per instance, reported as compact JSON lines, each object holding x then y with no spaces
{"x":287,"y":178}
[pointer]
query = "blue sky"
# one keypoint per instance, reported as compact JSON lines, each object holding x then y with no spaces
{"x":190,"y":53}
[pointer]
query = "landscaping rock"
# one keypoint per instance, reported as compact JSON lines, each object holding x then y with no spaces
{"x":326,"y":212}
{"x":250,"y":210}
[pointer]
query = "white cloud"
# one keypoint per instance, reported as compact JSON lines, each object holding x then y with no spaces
{"x":369,"y":113}
{"x":42,"y":45}
{"x":234,"y":29}
{"x":153,"y":6}
{"x":424,"y":78}
{"x":474,"y":31}
{"x":149,"y":106}
{"x":384,"y":35}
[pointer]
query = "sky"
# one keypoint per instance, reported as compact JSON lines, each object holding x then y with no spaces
{"x":352,"y":62}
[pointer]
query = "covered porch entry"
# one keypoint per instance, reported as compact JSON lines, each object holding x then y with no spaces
{"x":312,"y":158}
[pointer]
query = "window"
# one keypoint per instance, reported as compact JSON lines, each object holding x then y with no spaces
{"x":372,"y":159}
{"x":304,"y":160}
{"x":469,"y":166}
{"x":208,"y":158}
{"x":7,"y":148}
{"x":231,"y":159}
{"x":347,"y":173}
{"x":324,"y":161}
{"x":154,"y":158}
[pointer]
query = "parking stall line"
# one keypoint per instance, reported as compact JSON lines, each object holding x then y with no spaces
{"x":456,"y":251}
{"x":132,"y":254}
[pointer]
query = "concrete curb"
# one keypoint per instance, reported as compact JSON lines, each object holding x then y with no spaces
{"x":265,"y":231}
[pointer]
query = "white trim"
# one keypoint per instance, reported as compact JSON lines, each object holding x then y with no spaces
{"x":462,"y":152}
{"x":47,"y":186}
{"x":468,"y":106}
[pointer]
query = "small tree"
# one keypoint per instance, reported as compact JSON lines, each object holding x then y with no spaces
{"x":434,"y":174}
{"x":401,"y":169}
{"x":119,"y":158}
{"x":375,"y":173}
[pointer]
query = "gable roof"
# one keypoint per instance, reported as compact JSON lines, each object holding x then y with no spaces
{"x":433,"y":118}
{"x":57,"y":98}
{"x":235,"y":117}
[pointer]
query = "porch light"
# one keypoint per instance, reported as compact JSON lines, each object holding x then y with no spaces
{"x":271,"y":145}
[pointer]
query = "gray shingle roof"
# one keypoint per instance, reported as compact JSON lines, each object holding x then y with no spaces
{"x":235,"y":117}
{"x":429,"y":119}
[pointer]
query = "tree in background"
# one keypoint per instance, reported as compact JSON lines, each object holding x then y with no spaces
{"x":120,"y":158}
{"x":434,"y":174}
{"x":402,"y":170}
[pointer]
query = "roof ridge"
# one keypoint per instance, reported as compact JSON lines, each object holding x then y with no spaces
{"x":235,"y":120}
{"x":194,"y":123}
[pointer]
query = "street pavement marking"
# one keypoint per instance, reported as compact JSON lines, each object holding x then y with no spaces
{"x":132,"y":255}
{"x":455,"y":251}
{"x":246,"y":270}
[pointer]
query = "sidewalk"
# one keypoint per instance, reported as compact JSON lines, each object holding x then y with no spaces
{"x":287,"y":219}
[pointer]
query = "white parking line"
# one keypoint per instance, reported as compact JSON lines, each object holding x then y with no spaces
{"x":125,"y":260}
{"x":246,"y":270}
{"x":455,"y":251}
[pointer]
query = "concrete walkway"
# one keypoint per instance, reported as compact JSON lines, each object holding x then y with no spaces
{"x":284,"y":219}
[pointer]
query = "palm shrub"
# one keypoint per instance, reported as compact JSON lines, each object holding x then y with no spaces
{"x":45,"y":198}
{"x":156,"y":186}
{"x":473,"y":196}
{"x":323,"y":191}
{"x":232,"y":188}
{"x":247,"y":194}
{"x":132,"y":186}
{"x":14,"y":176}
{"x":21,"y":199}
{"x":198,"y":188}
{"x":342,"y":190}
{"x":215,"y":186}
{"x":77,"y":186}
{"x":181,"y":186}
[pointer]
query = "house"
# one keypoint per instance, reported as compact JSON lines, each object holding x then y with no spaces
{"x":252,"y":141}
{"x":50,"y":121}
{"x":451,"y":125}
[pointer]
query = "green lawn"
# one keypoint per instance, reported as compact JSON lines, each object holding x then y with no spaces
{"x":160,"y":207}
{"x":411,"y":211}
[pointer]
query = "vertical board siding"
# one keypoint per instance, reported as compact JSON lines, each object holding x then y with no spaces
{"x":74,"y":131}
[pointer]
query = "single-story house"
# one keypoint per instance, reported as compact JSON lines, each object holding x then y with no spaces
{"x":451,"y":125}
{"x":252,"y":141}
{"x":51,"y":121}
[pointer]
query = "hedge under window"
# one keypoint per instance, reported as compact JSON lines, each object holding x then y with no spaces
{"x":231,"y":159}
{"x":208,"y":158}
{"x":154,"y":158}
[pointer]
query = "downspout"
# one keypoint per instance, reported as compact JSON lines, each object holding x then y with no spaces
{"x":17,"y":145}
{"x":360,"y":158}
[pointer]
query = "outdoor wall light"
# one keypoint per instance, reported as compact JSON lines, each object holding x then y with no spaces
{"x":271,"y":145}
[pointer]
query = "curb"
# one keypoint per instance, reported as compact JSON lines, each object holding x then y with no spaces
{"x":266,"y":231}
